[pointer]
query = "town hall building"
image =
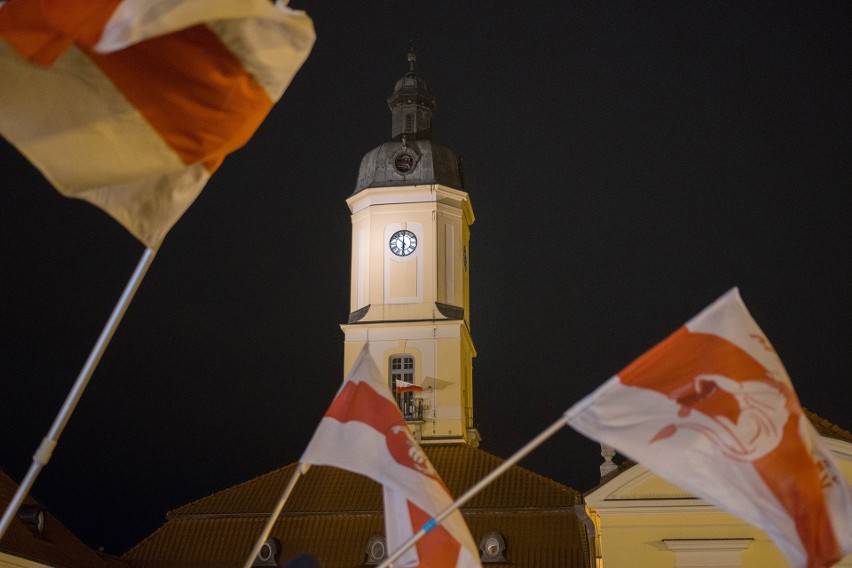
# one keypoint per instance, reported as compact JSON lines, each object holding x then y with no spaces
{"x":410,"y":305}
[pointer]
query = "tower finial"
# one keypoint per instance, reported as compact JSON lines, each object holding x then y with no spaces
{"x":412,"y":57}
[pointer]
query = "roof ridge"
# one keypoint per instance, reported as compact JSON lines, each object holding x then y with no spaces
{"x":176,"y":513}
{"x":276,"y":471}
{"x":826,"y":427}
{"x":558,"y":485}
{"x":59,"y":538}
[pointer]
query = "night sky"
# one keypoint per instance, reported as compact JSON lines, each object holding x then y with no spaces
{"x":627,"y":164}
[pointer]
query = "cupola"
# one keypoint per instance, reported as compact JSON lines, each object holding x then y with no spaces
{"x":411,"y":106}
{"x":410,"y":157}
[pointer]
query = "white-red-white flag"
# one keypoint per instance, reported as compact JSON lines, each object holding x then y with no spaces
{"x":712,"y":410}
{"x":363,"y":431}
{"x":132,"y":104}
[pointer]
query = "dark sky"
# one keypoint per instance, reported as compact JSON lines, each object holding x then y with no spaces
{"x":627,"y":164}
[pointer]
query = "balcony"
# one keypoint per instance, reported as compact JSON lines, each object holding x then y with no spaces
{"x":412,"y":408}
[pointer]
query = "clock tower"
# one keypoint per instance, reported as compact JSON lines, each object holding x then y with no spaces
{"x":409,"y":299}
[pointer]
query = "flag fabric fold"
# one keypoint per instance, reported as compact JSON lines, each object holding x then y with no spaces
{"x":133,"y":104}
{"x":363,"y":431}
{"x":712,"y":409}
{"x":404,"y":386}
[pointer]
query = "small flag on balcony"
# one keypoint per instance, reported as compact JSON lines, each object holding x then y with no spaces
{"x":363,"y":431}
{"x":403,"y":386}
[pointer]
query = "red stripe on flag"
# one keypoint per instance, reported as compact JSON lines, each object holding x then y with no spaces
{"x":42,"y":30}
{"x":796,"y":481}
{"x":437,"y":549}
{"x":188,"y":85}
{"x":359,"y":402}
{"x":192,"y":90}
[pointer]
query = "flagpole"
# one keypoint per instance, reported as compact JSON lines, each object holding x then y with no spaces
{"x":497,"y":472}
{"x":301,"y":468}
{"x":48,"y":443}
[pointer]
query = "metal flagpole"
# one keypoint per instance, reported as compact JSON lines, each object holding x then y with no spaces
{"x":48,"y":443}
{"x":497,"y":472}
{"x":301,"y":469}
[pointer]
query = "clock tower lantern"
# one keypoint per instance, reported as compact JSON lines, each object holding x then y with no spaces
{"x":409,"y":299}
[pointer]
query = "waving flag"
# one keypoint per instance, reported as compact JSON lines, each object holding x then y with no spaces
{"x":712,"y":410}
{"x":404,"y":386}
{"x":363,"y":431}
{"x":133,"y":104}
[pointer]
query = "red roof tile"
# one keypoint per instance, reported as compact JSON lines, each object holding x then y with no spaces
{"x":332,"y":513}
{"x":55,"y":546}
{"x":827,"y":428}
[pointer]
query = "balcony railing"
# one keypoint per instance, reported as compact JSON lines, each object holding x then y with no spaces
{"x":412,"y":408}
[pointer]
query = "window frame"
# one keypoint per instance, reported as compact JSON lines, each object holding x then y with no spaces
{"x":405,"y":371}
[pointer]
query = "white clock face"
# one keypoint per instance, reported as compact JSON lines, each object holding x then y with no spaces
{"x":403,"y":243}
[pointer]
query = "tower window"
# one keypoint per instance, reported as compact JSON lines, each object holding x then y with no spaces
{"x":409,"y":122}
{"x":403,"y":388}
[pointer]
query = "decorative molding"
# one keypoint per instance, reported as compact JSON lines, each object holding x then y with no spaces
{"x":659,"y":506}
{"x":608,"y":466}
{"x":708,"y":553}
{"x":393,"y":263}
{"x":405,"y":159}
{"x":624,"y":486}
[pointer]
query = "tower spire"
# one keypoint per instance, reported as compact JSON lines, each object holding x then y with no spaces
{"x":411,"y":105}
{"x":410,"y":157}
{"x":412,"y":57}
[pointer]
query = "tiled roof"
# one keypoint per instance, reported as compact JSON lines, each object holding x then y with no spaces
{"x":827,"y":428}
{"x":203,"y":542}
{"x":259,"y":495}
{"x":55,"y":546}
{"x":460,"y":467}
{"x":332,"y":513}
{"x":535,"y":538}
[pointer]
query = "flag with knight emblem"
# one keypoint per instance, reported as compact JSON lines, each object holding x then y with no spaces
{"x":712,"y":410}
{"x":363,"y":431}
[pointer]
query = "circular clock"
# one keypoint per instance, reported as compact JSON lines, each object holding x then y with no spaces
{"x":403,"y":243}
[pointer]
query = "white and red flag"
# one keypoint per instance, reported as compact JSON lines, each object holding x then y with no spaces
{"x":404,"y":386}
{"x":363,"y":431}
{"x":133,"y":104}
{"x":712,"y":410}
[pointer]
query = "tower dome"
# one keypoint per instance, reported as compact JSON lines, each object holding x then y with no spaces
{"x":410,"y":157}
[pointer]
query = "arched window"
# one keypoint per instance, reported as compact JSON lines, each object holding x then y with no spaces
{"x":402,"y":385}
